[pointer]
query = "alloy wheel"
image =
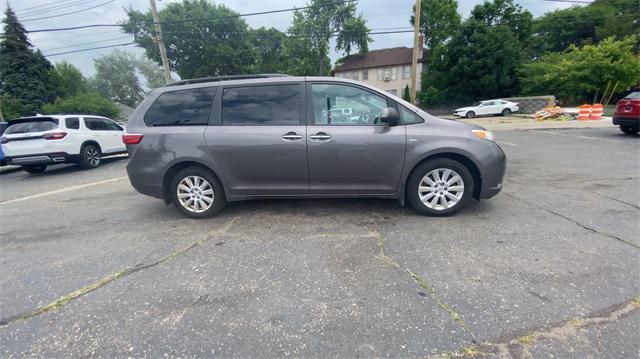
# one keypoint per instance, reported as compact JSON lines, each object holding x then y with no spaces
{"x":195,"y":194}
{"x":93,"y":156}
{"x":441,"y":188}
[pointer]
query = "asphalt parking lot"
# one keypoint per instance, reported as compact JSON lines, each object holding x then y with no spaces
{"x":547,"y":268}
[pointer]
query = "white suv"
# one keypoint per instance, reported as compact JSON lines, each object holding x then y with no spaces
{"x":35,"y":142}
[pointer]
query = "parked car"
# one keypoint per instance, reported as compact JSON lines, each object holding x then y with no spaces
{"x":489,"y":107}
{"x":202,"y":143}
{"x":627,"y":114}
{"x":35,"y":142}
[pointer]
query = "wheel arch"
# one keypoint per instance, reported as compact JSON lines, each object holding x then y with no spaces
{"x":465,"y":160}
{"x":179,"y":166}
{"x":90,"y":142}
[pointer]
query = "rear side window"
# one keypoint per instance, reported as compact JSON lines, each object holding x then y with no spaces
{"x":112,"y":126}
{"x":181,"y":108}
{"x":95,"y":124}
{"x":273,"y":105}
{"x":35,"y":125}
{"x":72,"y":123}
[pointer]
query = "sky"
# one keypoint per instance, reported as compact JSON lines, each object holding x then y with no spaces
{"x":380,"y":14}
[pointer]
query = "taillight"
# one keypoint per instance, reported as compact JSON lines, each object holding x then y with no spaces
{"x":4,"y":139}
{"x":54,"y":135}
{"x":130,"y":139}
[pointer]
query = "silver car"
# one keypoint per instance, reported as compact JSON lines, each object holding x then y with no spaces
{"x":201,"y":143}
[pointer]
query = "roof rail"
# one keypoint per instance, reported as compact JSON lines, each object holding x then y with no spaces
{"x":224,"y":78}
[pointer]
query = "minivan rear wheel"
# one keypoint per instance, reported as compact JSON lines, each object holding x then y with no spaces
{"x":439,"y":187}
{"x":197,"y":193}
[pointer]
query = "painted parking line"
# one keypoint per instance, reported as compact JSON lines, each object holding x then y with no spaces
{"x":506,"y":143}
{"x":578,"y":136}
{"x":62,"y":190}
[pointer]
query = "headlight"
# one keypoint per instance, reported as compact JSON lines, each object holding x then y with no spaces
{"x":485,"y":135}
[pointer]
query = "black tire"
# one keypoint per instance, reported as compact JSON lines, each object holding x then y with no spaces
{"x":33,"y":169}
{"x":413,"y":183}
{"x":90,"y":156}
{"x":470,"y":114}
{"x":506,"y":112}
{"x":219,"y":199}
{"x":630,"y":130}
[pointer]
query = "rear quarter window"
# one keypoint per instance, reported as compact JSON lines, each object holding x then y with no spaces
{"x":35,"y":125}
{"x":72,"y":123}
{"x":181,"y":108}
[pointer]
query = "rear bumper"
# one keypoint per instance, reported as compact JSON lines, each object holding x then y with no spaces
{"x":632,"y":121}
{"x":149,"y":184}
{"x":41,"y":158}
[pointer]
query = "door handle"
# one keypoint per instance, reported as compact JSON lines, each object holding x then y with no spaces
{"x":320,"y":136}
{"x":292,"y":136}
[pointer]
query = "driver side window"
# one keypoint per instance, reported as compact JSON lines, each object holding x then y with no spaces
{"x":342,"y":105}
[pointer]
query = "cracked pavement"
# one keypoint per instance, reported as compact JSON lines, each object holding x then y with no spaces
{"x":547,"y":268}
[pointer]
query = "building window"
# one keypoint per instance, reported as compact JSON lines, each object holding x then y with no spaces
{"x":394,"y":73}
{"x":406,"y":72}
{"x":365,"y":75}
{"x":355,"y":75}
{"x":380,"y":75}
{"x":393,"y":92}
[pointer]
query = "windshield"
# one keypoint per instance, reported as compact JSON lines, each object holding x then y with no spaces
{"x":633,"y":95}
{"x":31,"y":125}
{"x":478,"y":104}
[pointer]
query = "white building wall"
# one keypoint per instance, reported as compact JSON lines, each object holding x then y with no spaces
{"x":392,"y":79}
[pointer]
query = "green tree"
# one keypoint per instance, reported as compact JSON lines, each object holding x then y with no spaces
{"x":89,"y":103}
{"x":315,"y":26}
{"x":10,"y":107}
{"x":268,"y":44}
{"x":480,"y":60}
{"x":24,"y":73}
{"x":578,"y":73}
{"x":580,"y":25}
{"x":406,"y":95}
{"x":68,"y":80}
{"x":152,"y":73}
{"x":196,"y":48}
{"x":438,"y":20}
{"x":116,"y":78}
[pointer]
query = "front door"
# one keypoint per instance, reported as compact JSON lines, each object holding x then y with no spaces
{"x":260,"y":140}
{"x":351,"y":154}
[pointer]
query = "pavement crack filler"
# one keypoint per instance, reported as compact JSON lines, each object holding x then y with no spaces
{"x":111,"y":278}
{"x":519,"y":347}
{"x":627,"y":242}
{"x":422,"y":282}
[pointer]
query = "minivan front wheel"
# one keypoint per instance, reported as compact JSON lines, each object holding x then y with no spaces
{"x":439,"y":187}
{"x":197,"y":193}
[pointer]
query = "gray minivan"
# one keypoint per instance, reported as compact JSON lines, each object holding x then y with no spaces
{"x":201,"y":143}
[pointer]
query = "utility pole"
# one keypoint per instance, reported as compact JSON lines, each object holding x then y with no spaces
{"x":160,"y":41}
{"x":416,"y":48}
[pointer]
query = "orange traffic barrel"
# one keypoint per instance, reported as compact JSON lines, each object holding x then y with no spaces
{"x":596,"y":112}
{"x":583,"y":112}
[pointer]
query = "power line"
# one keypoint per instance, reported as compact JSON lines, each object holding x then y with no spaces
{"x":192,"y":20}
{"x":55,"y":7}
{"x":70,"y":13}
{"x":87,"y":43}
{"x":289,"y":37}
{"x":89,"y":49}
{"x":53,"y":3}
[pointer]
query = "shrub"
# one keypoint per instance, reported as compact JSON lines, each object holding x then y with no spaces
{"x":90,"y":103}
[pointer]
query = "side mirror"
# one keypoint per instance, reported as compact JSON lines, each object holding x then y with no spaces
{"x":389,"y":116}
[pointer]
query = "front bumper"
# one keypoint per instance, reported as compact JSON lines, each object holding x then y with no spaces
{"x":40,"y":158}
{"x":493,"y":174}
